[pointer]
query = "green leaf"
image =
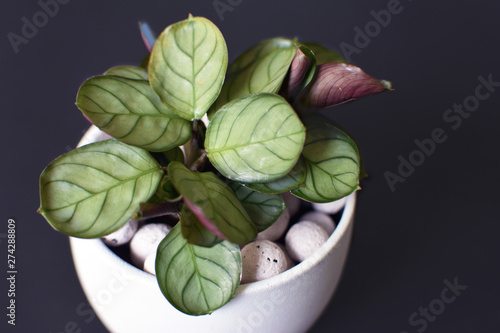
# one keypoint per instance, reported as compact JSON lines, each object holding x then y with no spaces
{"x":130,"y":111}
{"x":263,"y":209}
{"x":255,"y":139}
{"x":194,"y":279}
{"x":131,"y":72}
{"x":290,"y":181}
{"x":94,"y":190}
{"x":332,"y":161}
{"x":214,"y":203}
{"x":264,"y":73}
{"x":194,"y":231}
{"x":187,"y":67}
{"x":260,"y":50}
{"x":166,"y":191}
{"x":323,"y":55}
{"x":165,"y":157}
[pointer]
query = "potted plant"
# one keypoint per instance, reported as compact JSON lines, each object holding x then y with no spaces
{"x":259,"y":137}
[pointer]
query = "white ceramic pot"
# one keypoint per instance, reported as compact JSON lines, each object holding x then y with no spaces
{"x":127,"y":299}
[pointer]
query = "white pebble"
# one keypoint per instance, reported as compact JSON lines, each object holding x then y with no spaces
{"x":261,"y":260}
{"x":277,"y":229}
{"x":150,"y":263}
{"x":324,"y":220}
{"x":290,"y":262}
{"x":292,"y":202}
{"x":303,"y":239}
{"x":146,"y":241}
{"x":122,"y":235}
{"x":330,"y":207}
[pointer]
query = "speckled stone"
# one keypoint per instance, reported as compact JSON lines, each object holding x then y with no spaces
{"x":146,"y":241}
{"x":303,"y":239}
{"x":290,"y":262}
{"x":324,"y":220}
{"x":262,"y":259}
{"x":122,"y":235}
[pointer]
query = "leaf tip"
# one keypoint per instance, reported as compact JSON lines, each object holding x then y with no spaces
{"x":387,"y":84}
{"x":190,"y":17}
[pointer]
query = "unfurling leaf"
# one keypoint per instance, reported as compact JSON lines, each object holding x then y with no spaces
{"x":130,"y":111}
{"x":187,"y":66}
{"x":260,"y":69}
{"x":147,"y":34}
{"x":300,"y":73}
{"x":94,"y":190}
{"x":337,"y":83}
{"x":194,"y":279}
{"x":214,"y":203}
{"x":255,"y":139}
{"x":332,"y":162}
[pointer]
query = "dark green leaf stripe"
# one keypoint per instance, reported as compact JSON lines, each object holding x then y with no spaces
{"x":194,"y":231}
{"x":290,"y":181}
{"x":130,"y":111}
{"x":187,"y":67}
{"x":216,"y":200}
{"x":94,"y":190}
{"x":255,"y":139}
{"x":332,"y":161}
{"x":263,"y":209}
{"x":197,"y":280}
{"x":264,"y":74}
{"x":131,"y":72}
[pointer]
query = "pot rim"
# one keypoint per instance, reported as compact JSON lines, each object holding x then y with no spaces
{"x":302,"y":268}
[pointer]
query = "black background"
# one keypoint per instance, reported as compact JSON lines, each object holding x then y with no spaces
{"x":441,"y":223}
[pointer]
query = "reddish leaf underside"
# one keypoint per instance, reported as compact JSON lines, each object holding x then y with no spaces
{"x":337,"y":83}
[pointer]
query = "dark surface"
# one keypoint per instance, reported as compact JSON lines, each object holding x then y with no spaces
{"x":441,"y":223}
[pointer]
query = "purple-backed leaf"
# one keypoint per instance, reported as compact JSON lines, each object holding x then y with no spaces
{"x":148,"y":36}
{"x":299,"y":71}
{"x":203,"y":219}
{"x":337,"y":83}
